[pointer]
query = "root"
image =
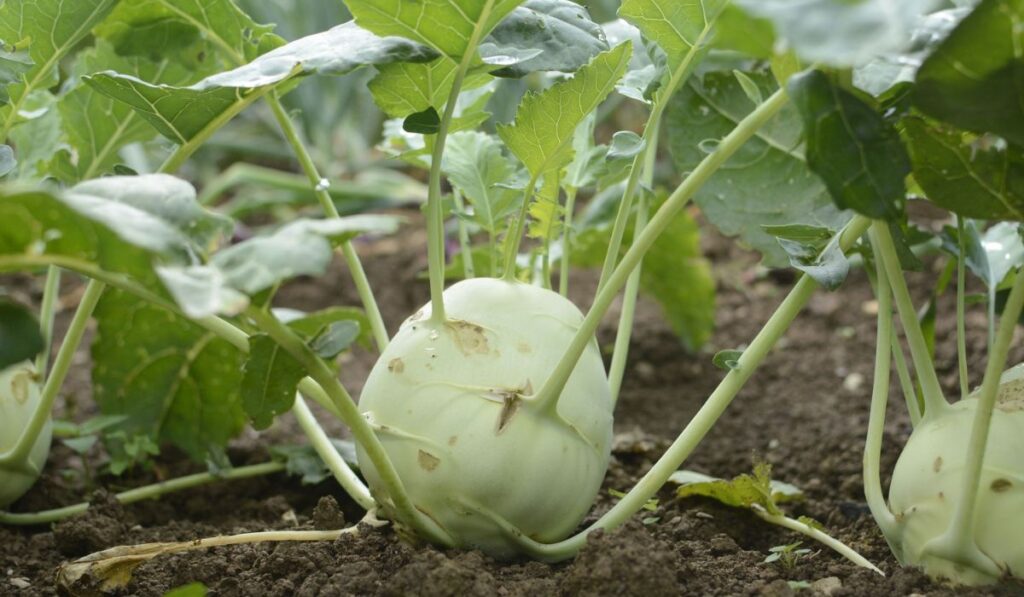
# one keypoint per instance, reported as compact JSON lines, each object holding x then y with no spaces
{"x":112,"y":568}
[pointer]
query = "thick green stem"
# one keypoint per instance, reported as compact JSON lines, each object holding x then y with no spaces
{"x":651,"y":129}
{"x":342,"y":472}
{"x":957,"y":543}
{"x":961,"y":325}
{"x":879,"y":399}
{"x":705,"y":418}
{"x":362,"y":432}
{"x":468,"y":267}
{"x":934,"y":400}
{"x":746,"y":129}
{"x":380,"y":333}
{"x":61,"y":365}
{"x":818,"y":535}
{"x":145,"y":493}
{"x":906,"y":382}
{"x":624,"y":332}
{"x":548,"y":238}
{"x":435,"y":215}
{"x":47,"y":314}
{"x":563,"y":271}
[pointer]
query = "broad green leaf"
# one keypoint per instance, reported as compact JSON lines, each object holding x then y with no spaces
{"x":174,"y":381}
{"x":852,"y":147}
{"x":97,"y":126}
{"x":14,"y":63}
{"x":674,"y":273}
{"x":37,"y":139}
{"x":644,"y":74}
{"x":983,"y":179}
{"x":20,"y":336}
{"x":676,"y":26}
{"x":827,"y":264}
{"x":269,"y":381}
{"x":975,"y":78}
{"x":767,"y":181}
{"x":179,"y":113}
{"x":625,"y":145}
{"x":991,"y":255}
{"x":840,"y":32}
{"x":475,"y":164}
{"x":560,"y":30}
{"x":337,"y":51}
{"x":883,"y":72}
{"x":166,"y":200}
{"x":541,"y":136}
{"x":161,"y":27}
{"x":445,"y":25}
{"x":739,"y":31}
{"x":302,"y":247}
{"x":404,"y":88}
{"x":52,"y":28}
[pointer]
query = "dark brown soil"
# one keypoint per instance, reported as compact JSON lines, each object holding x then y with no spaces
{"x":805,"y":412}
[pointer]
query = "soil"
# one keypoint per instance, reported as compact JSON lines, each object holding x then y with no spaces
{"x":804,"y":412}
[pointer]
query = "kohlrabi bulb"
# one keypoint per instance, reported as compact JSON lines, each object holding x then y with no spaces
{"x":451,"y":406}
{"x":926,"y":486}
{"x":19,"y":399}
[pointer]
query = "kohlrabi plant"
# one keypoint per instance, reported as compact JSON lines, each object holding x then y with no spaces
{"x":487,"y":420}
{"x":942,"y":121}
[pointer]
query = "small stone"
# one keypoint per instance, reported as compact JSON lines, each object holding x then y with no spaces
{"x":853,"y":382}
{"x":20,"y":582}
{"x":827,"y":585}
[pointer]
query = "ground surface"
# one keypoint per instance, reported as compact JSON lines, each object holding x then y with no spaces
{"x":805,"y":412}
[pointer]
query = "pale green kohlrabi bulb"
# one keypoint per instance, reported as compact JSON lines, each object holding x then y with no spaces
{"x":19,"y":399}
{"x":451,"y":407}
{"x":926,"y":486}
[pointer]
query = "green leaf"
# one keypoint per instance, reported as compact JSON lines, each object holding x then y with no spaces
{"x":727,"y":360}
{"x":589,"y":161}
{"x":102,"y":224}
{"x":300,"y":248}
{"x":37,"y":139}
{"x":560,"y":30}
{"x":541,"y":136}
{"x":743,"y":491}
{"x":975,"y":78}
{"x":852,"y":147}
{"x":20,"y":336}
{"x":739,"y":31}
{"x":160,"y":27}
{"x":826,"y":264}
{"x":179,"y":113}
{"x":983,"y":179}
{"x":97,"y":126}
{"x":337,"y":51}
{"x":310,"y":325}
{"x":304,"y":462}
{"x":169,"y":200}
{"x":643,"y":77}
{"x":335,"y":339}
{"x":52,"y":28}
{"x":625,"y":145}
{"x":545,"y":210}
{"x":767,"y":181}
{"x":841,"y":33}
{"x":991,"y":255}
{"x":196,"y":589}
{"x":269,"y":381}
{"x":175,"y":381}
{"x":14,"y":63}
{"x":677,"y":27}
{"x":475,"y":164}
{"x":427,"y":122}
{"x":445,"y":25}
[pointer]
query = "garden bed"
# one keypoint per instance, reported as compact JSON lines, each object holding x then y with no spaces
{"x":805,"y":412}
